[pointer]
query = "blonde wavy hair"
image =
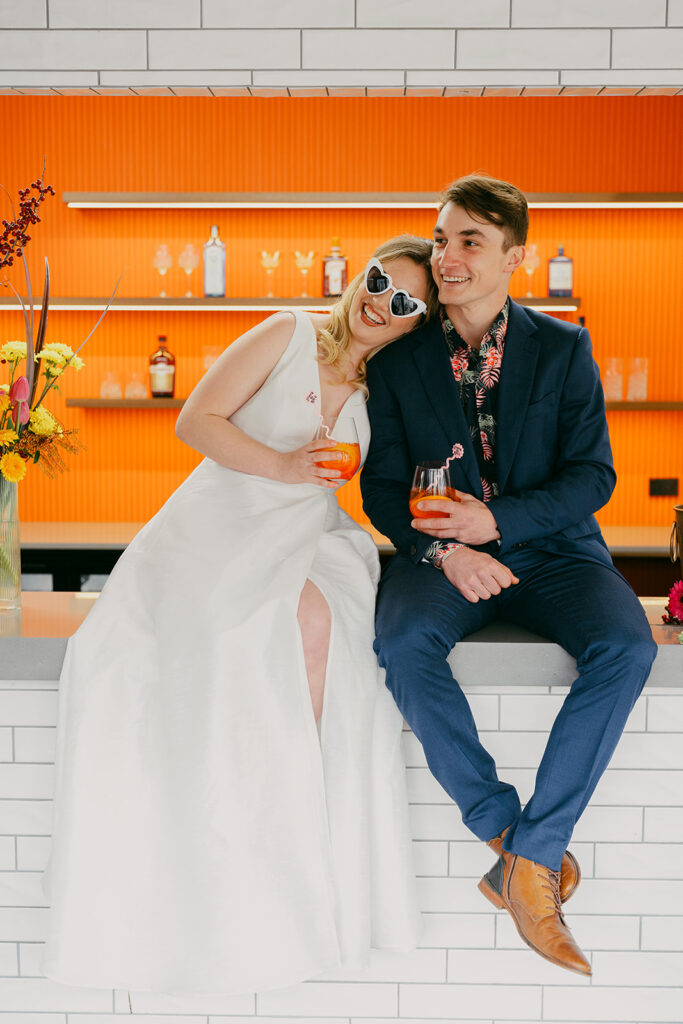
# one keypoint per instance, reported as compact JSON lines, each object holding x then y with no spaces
{"x":334,"y":339}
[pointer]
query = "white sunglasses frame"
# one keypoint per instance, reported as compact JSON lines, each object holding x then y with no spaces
{"x":375,"y":263}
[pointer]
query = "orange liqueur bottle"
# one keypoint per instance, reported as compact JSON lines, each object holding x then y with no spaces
{"x":162,"y":371}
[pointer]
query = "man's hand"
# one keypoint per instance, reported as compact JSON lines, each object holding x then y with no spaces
{"x":476,"y":575}
{"x":469,"y":520}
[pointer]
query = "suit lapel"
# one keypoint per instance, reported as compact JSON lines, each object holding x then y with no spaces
{"x":516,"y":379}
{"x":436,"y":373}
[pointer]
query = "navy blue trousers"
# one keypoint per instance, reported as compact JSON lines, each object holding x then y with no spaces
{"x":586,"y":607}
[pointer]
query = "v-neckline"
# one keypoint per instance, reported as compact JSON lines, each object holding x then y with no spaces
{"x":320,"y":382}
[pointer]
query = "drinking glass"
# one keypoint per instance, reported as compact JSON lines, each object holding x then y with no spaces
{"x":613,"y":379}
{"x":636,"y":388}
{"x":163,"y":261}
{"x":134,"y":387}
{"x":270,"y":261}
{"x":344,"y":439}
{"x":531,"y":262}
{"x":304,"y":261}
{"x":188,"y":260}
{"x":110,"y":387}
{"x":431,"y":482}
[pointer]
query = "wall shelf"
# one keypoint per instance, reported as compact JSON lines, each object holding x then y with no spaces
{"x":126,"y":403}
{"x":644,"y":406}
{"x":355,"y":200}
{"x":314,"y":303}
{"x":176,"y":403}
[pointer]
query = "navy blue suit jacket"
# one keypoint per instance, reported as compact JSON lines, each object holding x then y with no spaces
{"x":553,"y":453}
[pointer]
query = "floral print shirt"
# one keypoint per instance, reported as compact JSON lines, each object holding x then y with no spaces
{"x":477,"y":374}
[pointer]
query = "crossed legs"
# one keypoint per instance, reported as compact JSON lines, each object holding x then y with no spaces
{"x":591,"y":611}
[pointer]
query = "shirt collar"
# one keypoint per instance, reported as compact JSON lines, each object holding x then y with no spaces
{"x":494,"y":335}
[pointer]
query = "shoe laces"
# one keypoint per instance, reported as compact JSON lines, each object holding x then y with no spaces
{"x":550,"y":881}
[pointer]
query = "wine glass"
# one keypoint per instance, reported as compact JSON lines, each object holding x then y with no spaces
{"x":270,"y":262}
{"x":431,"y":482}
{"x":531,"y":262}
{"x":188,"y":260}
{"x":163,"y":261}
{"x":343,"y":439}
{"x":304,"y":262}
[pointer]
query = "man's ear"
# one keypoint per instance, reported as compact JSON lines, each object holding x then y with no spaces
{"x":514,"y":258}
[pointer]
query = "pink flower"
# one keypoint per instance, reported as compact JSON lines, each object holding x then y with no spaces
{"x":18,"y":396}
{"x":458,"y":451}
{"x":675,"y":605}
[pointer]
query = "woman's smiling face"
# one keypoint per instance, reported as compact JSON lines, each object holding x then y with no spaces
{"x":371,"y":321}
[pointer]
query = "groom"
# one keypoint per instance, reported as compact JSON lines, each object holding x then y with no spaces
{"x":515,"y":396}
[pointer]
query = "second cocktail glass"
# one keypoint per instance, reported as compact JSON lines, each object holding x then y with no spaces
{"x":431,"y":482}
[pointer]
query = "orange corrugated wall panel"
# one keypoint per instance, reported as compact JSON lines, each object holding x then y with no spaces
{"x":627,"y":263}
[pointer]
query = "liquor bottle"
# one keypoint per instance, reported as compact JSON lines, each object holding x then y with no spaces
{"x":214,"y":265}
{"x":162,"y":371}
{"x":334,"y":270}
{"x":560,"y":274}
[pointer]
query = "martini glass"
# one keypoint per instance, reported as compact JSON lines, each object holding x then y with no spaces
{"x":189,"y":261}
{"x":270,"y":261}
{"x":531,"y":262}
{"x":304,"y":262}
{"x":163,"y":261}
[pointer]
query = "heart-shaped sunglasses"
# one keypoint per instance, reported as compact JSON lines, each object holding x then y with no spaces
{"x":377,"y":281}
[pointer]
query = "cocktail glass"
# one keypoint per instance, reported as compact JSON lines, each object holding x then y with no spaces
{"x":344,"y":439}
{"x":304,"y":261}
{"x":531,"y":262}
{"x":163,"y":261}
{"x":431,"y":482}
{"x":189,"y":261}
{"x":270,"y":261}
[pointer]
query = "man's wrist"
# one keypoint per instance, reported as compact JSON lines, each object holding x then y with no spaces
{"x":439,"y":551}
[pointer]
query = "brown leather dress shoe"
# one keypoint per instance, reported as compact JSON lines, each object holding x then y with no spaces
{"x":570,"y":872}
{"x":530,"y":893}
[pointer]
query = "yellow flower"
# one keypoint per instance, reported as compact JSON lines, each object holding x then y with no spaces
{"x":4,"y":403}
{"x":57,"y":356}
{"x":43,"y":423}
{"x":12,"y":467}
{"x":8,"y":436}
{"x":13,"y":351}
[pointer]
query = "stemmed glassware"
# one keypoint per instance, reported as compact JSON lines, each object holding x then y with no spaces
{"x":531,"y":262}
{"x":304,"y":261}
{"x":189,"y":261}
{"x":270,"y":261}
{"x":163,"y":261}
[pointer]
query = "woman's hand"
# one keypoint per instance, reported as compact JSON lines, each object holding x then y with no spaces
{"x":299,"y":467}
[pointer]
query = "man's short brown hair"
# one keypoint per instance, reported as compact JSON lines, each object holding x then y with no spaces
{"x":492,"y":200}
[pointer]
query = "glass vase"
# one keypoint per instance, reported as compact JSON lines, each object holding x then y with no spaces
{"x":10,"y":551}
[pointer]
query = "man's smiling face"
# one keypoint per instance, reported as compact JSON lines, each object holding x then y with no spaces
{"x":470,"y":265}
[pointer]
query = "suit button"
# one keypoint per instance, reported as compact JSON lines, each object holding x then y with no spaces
{"x":413,"y":549}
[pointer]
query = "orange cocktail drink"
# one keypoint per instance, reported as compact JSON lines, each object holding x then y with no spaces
{"x":347,"y":464}
{"x":427,"y":497}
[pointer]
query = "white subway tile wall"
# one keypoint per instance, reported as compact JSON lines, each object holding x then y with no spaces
{"x":409,"y":47}
{"x":471,"y":965}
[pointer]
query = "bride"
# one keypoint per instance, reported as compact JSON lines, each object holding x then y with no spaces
{"x":230,"y":813}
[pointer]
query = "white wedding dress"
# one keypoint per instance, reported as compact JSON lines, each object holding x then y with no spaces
{"x":206,"y":839}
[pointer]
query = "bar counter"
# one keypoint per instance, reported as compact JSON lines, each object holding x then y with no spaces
{"x":502,"y":654}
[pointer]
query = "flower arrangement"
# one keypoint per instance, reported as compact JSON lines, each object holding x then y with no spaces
{"x":29,"y":432}
{"x":674,"y":607}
